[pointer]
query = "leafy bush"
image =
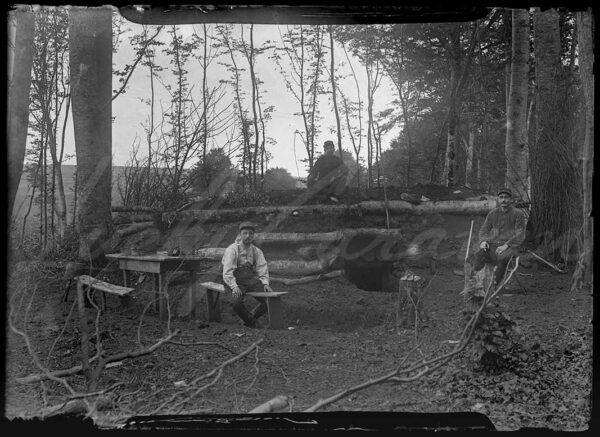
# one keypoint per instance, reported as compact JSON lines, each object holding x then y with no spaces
{"x":495,"y":344}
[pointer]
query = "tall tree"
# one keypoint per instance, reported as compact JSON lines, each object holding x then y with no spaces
{"x":517,"y":149}
{"x":300,"y":61}
{"x":555,"y":185}
{"x":333,"y":90}
{"x":50,"y":101}
{"x":20,"y":58}
{"x":585,"y":34}
{"x":90,"y":61}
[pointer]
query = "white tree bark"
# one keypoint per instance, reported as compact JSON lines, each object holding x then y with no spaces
{"x":21,"y":25}
{"x":90,"y":53}
{"x":585,"y":37}
{"x":516,"y":147}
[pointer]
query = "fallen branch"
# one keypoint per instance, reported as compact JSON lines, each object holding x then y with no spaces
{"x":422,"y":368}
{"x":201,"y":343}
{"x":546,"y":262}
{"x":277,"y":404}
{"x":218,"y":370}
{"x":76,"y":406}
{"x":117,"y":357}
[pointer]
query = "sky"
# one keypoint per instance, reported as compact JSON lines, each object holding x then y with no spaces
{"x":130,"y":112}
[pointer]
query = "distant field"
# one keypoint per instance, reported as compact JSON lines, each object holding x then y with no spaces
{"x":24,"y":196}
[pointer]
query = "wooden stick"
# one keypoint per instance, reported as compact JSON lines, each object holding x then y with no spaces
{"x":546,"y":262}
{"x":467,"y":255}
{"x":85,"y":364}
{"x":469,"y":243}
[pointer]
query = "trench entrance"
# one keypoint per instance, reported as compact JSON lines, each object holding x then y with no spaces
{"x":373,"y":276}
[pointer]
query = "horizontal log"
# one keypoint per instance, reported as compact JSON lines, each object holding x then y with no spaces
{"x":281,"y":266}
{"x":134,"y":208}
{"x":213,"y":253}
{"x":460,"y":207}
{"x":307,"y":279}
{"x":322,"y":237}
{"x":298,"y":268}
{"x":133,"y":229}
{"x":123,"y":218}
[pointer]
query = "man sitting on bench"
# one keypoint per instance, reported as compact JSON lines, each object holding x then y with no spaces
{"x":500,"y":236}
{"x":245,"y":270}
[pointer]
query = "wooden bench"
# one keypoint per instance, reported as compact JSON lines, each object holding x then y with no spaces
{"x":104,"y":287}
{"x":213,"y":303}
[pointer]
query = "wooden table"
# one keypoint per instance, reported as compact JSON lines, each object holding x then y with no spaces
{"x":160,"y":266}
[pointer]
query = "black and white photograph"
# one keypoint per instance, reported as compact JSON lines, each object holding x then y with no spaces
{"x":299,"y":217}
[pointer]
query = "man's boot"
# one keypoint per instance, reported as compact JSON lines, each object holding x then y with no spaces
{"x":244,"y":314}
{"x":260,"y":310}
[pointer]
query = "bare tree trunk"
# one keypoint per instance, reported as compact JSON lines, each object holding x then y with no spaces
{"x":204,"y":102}
{"x":57,"y":183}
{"x":354,"y":146}
{"x":517,"y":149}
{"x":44,"y":210}
{"x":369,"y":128}
{"x":75,"y":189}
{"x":555,"y":189}
{"x":315,"y":86}
{"x":20,"y":58}
{"x":310,"y":146}
{"x":334,"y":92}
{"x":90,"y":48}
{"x":470,"y":154}
{"x":449,"y":173}
{"x":585,"y":29}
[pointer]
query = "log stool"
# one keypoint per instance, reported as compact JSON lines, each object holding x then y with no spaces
{"x":410,"y":305}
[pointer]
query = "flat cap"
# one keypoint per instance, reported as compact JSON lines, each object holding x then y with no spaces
{"x":505,"y":190}
{"x":246,"y":225}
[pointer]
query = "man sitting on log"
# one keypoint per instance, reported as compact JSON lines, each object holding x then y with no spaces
{"x":329,"y":174}
{"x":245,"y":270}
{"x":500,"y":236}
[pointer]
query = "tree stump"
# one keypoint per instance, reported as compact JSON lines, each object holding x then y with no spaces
{"x":476,"y":284}
{"x":410,"y":302}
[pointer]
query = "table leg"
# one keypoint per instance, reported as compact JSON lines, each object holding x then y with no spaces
{"x":163,"y":289}
{"x":275,"y":315}
{"x":155,"y":291}
{"x":213,"y":303}
{"x":124,"y":300}
{"x":192,"y":295}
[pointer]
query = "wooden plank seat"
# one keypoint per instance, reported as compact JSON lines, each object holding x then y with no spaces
{"x":104,"y":287}
{"x":213,"y":303}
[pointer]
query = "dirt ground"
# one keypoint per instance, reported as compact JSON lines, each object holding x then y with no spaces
{"x":337,"y":336}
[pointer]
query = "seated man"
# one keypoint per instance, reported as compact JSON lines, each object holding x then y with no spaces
{"x":329,"y":174}
{"x":245,"y":270}
{"x":500,"y":236}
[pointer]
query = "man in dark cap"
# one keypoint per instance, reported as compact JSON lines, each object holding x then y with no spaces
{"x":500,"y":236}
{"x":245,"y":270}
{"x":328,"y":175}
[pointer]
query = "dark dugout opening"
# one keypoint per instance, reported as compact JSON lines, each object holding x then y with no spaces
{"x":375,"y":276}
